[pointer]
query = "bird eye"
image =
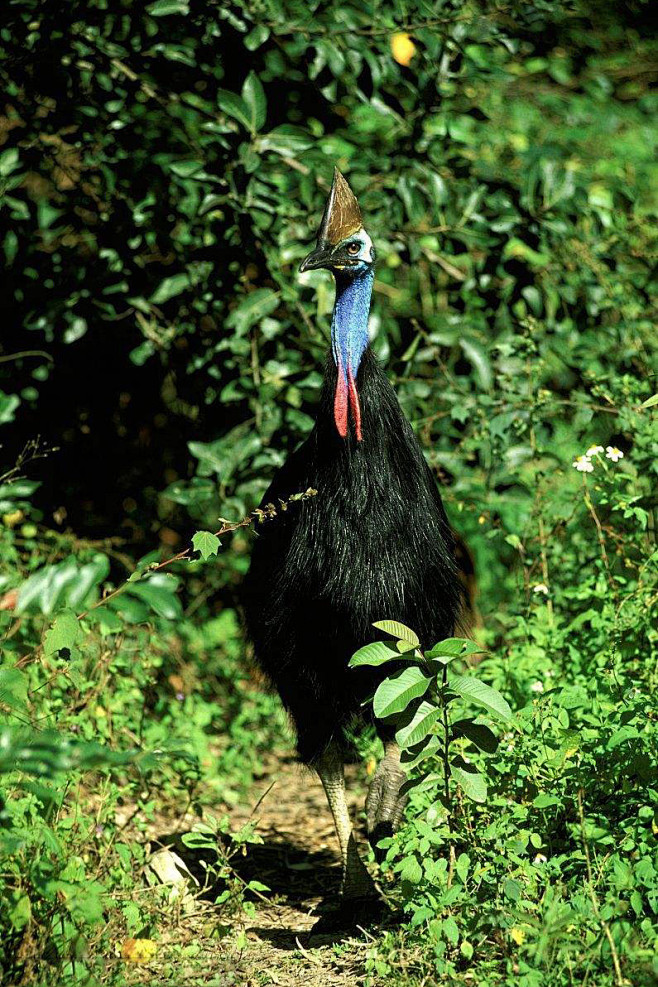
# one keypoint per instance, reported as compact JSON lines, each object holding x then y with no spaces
{"x":353,"y":248}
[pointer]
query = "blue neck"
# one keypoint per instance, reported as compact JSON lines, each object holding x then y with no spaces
{"x":349,"y":326}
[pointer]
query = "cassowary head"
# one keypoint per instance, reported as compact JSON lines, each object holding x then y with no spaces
{"x":343,"y":244}
{"x":346,"y":250}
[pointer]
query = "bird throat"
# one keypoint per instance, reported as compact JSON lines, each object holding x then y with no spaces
{"x":349,"y":338}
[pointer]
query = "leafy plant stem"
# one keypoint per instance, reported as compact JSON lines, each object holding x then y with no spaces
{"x":619,"y":978}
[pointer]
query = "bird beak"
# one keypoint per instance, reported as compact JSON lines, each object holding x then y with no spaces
{"x":341,"y":218}
{"x":320,"y":257}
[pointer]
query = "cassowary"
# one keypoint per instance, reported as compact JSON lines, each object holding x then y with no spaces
{"x":373,"y":543}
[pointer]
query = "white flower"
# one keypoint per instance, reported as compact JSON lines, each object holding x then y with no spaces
{"x":540,"y":859}
{"x":613,"y":453}
{"x":537,"y":687}
{"x":540,"y":588}
{"x":594,"y":450}
{"x":583,"y":464}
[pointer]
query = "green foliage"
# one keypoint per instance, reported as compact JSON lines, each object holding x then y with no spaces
{"x":417,"y":700}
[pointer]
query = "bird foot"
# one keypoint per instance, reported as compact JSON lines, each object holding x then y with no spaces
{"x":385,"y":802}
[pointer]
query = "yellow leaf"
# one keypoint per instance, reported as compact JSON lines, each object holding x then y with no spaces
{"x":402,"y":48}
{"x":12,"y":518}
{"x":518,"y":935}
{"x":139,"y":950}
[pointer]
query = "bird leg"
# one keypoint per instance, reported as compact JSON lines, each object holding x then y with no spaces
{"x":357,"y":882}
{"x":385,"y":802}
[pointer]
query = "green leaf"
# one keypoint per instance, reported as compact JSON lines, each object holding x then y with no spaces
{"x":420,"y":725}
{"x":235,"y":106}
{"x":476,"y":354}
{"x":20,"y":910}
{"x":512,"y":889}
{"x":206,"y":543}
{"x":478,"y":692}
{"x":478,"y":734}
{"x":396,"y":692}
{"x":410,"y":870}
{"x":158,"y":591}
{"x":252,"y":308}
{"x":170,"y":287}
{"x":64,"y":633}
{"x":450,"y":930}
{"x":8,"y":405}
{"x":451,"y":648}
{"x":286,"y":139}
{"x":471,"y":781}
{"x":256,"y":37}
{"x":650,"y":402}
{"x":374,"y":654}
{"x":545,"y":801}
{"x":410,"y":757}
{"x":163,"y":8}
{"x":13,"y":689}
{"x":398,"y":630}
{"x":253,"y":95}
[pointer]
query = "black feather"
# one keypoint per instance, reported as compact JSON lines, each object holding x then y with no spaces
{"x":373,"y":544}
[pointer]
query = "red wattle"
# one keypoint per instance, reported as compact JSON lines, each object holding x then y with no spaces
{"x":340,"y":403}
{"x":354,"y":405}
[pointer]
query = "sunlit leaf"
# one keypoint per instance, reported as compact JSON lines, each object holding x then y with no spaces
{"x":395,"y":693}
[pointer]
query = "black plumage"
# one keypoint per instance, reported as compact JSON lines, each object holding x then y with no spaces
{"x":373,"y":544}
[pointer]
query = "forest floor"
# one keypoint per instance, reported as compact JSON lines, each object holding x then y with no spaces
{"x":298,"y":861}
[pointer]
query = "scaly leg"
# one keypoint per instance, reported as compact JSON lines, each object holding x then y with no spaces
{"x":357,"y":882}
{"x":385,"y":802}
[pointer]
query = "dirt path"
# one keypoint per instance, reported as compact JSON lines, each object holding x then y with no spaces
{"x":298,"y":861}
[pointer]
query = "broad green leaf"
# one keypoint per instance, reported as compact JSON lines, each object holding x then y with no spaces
{"x":512,"y":889}
{"x":46,"y":588}
{"x":253,"y":95}
{"x":481,"y":694}
{"x":410,"y":757}
{"x":158,"y":591}
{"x":89,"y":577}
{"x":13,"y":689}
{"x":396,"y":692}
{"x":398,"y":630}
{"x":451,"y":930}
{"x":374,"y":654}
{"x":471,"y":781}
{"x":451,"y":648}
{"x":420,"y":725}
{"x":478,"y":734}
{"x":410,"y":870}
{"x":66,"y":584}
{"x":235,"y":106}
{"x":252,"y":308}
{"x":65,"y":632}
{"x":206,"y":543}
{"x":286,"y":139}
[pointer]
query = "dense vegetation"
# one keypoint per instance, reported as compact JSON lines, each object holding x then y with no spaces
{"x":163,"y":167}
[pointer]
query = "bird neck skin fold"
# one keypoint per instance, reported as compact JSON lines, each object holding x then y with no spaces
{"x":349,"y":338}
